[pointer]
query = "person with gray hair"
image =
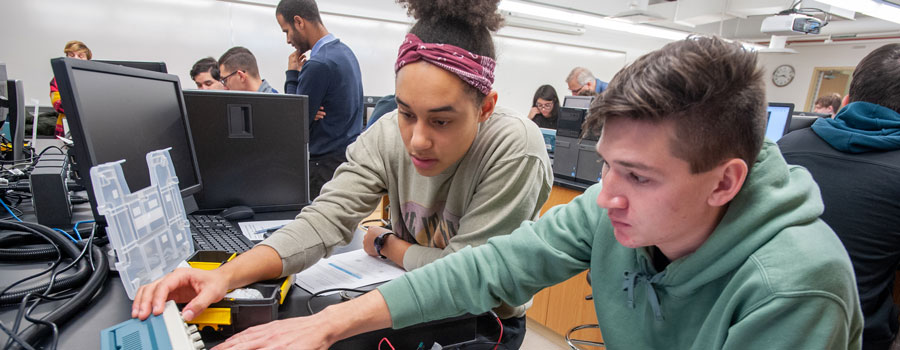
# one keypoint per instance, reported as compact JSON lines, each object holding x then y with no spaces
{"x":581,"y":79}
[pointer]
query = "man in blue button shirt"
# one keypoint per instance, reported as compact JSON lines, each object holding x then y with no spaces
{"x":581,"y":80}
{"x":332,"y":80}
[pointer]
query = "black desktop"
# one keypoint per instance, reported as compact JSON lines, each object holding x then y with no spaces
{"x":116,"y":113}
{"x":16,"y":120}
{"x":4,"y":95}
{"x":252,"y":149}
{"x":575,"y":158}
{"x":145,"y":65}
{"x":369,"y":103}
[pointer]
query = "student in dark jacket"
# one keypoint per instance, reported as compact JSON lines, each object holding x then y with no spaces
{"x":332,"y":80}
{"x":855,"y":158}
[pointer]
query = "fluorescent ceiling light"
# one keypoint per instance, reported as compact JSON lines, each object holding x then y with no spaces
{"x":872,"y":8}
{"x":590,"y":20}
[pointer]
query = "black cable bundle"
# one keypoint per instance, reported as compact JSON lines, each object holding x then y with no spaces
{"x":94,"y":270}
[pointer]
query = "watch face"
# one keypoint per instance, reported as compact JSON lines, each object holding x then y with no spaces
{"x":783,"y":75}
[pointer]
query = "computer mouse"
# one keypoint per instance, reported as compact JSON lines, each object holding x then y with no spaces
{"x":238,"y":212}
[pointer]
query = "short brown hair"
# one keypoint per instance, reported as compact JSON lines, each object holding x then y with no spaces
{"x":711,"y":89}
{"x":833,"y":100}
{"x":875,"y":78}
{"x":239,"y":58}
{"x":77,"y":46}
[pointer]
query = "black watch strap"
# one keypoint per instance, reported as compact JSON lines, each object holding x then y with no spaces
{"x":380,"y":241}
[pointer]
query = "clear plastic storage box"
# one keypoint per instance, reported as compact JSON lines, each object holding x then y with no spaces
{"x":148,"y":229}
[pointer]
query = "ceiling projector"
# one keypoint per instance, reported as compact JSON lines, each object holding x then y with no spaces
{"x":791,"y":24}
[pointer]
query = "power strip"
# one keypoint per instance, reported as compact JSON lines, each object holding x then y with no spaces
{"x":163,"y":332}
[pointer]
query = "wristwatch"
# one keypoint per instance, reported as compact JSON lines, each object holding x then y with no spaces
{"x":379,"y":243}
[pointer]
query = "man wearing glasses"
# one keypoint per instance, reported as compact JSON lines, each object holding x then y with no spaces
{"x":238,"y":71}
{"x":581,"y":82}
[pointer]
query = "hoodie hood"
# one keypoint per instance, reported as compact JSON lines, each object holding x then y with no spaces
{"x":773,"y":197}
{"x":861,"y":127}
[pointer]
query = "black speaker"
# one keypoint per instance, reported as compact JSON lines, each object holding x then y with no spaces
{"x":50,"y":196}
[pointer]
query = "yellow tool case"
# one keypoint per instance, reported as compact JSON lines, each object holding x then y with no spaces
{"x":232,"y":315}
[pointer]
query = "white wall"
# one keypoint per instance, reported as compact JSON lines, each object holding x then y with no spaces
{"x":179,"y":32}
{"x":804,"y":62}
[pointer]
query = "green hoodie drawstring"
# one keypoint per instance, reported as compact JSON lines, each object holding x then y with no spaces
{"x":631,"y":278}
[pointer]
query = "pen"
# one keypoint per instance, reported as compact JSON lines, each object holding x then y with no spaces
{"x":269,"y":229}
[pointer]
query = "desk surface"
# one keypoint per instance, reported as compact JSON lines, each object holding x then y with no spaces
{"x":112,"y":306}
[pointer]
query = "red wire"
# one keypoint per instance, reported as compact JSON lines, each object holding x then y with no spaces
{"x":385,"y":339}
{"x":501,"y":331}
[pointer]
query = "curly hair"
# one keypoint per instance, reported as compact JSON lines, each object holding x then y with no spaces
{"x":463,"y":23}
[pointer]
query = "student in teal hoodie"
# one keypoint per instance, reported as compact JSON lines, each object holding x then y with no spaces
{"x":855,"y":159}
{"x":700,"y":236}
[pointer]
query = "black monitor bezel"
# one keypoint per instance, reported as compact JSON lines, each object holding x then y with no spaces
{"x":16,"y":118}
{"x":790,"y":115}
{"x":4,"y":94}
{"x":145,"y":65}
{"x":62,"y":69}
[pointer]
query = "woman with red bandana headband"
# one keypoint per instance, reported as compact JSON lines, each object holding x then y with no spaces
{"x":457,"y":169}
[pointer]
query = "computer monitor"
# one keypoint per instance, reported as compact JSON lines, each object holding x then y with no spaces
{"x":252,"y":149}
{"x":4,"y":95}
{"x":778,"y":119}
{"x":811,"y":114}
{"x":369,"y":103}
{"x":569,"y":121}
{"x":801,"y":121}
{"x":578,"y":101}
{"x":151,"y":66}
{"x":117,"y":112}
{"x":15,"y":122}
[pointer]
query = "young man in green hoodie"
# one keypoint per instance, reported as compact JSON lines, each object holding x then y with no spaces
{"x":700,"y":236}
{"x":855,"y":159}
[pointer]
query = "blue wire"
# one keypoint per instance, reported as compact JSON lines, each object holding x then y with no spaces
{"x":10,"y":210}
{"x":76,"y":228}
{"x":67,"y":234}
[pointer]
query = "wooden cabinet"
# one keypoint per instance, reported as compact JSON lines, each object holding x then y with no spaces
{"x":563,"y":306}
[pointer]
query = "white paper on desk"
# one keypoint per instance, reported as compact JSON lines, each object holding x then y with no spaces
{"x":348,"y":270}
{"x":250,"y":228}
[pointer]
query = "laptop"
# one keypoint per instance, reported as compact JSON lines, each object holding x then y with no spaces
{"x":778,"y":119}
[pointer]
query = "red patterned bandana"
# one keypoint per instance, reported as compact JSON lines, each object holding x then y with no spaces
{"x":475,"y":70}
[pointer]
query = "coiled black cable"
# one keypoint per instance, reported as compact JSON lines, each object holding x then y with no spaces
{"x":27,"y":254}
{"x":37,"y":332}
{"x":14,"y":296}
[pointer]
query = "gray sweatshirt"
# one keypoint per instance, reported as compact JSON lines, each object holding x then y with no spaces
{"x":503,"y":180}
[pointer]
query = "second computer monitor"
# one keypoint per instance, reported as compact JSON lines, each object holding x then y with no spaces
{"x":145,"y":65}
{"x":4,"y":96}
{"x":252,"y":149}
{"x":15,"y":122}
{"x":778,"y":119}
{"x":578,"y":101}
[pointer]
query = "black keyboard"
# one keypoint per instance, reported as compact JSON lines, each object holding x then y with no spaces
{"x":212,"y":232}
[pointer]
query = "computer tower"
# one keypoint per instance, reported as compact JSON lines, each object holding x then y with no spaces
{"x":588,"y":165}
{"x":565,"y":157}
